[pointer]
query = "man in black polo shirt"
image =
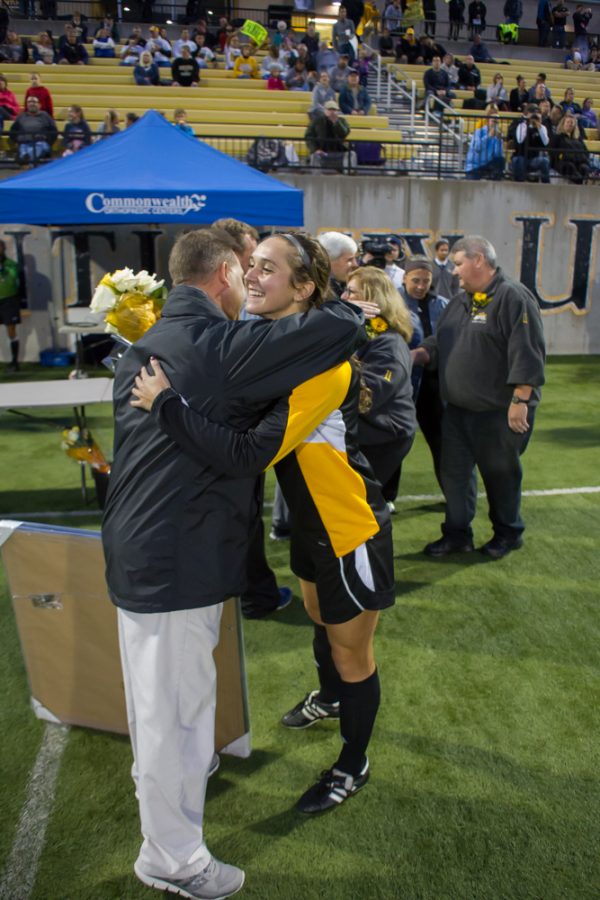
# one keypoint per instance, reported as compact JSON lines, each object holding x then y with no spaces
{"x":489,"y":351}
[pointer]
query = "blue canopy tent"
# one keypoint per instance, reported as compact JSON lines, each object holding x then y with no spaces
{"x":151,"y":172}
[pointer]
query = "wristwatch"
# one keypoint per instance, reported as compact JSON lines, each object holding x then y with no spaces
{"x":516,"y":399}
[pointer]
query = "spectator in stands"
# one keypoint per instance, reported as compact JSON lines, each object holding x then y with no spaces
{"x":594,"y":60}
{"x":311,"y":39}
{"x":185,"y":70}
{"x":14,"y":49}
{"x":201,"y":27}
{"x":531,"y":147}
{"x":519,"y":95}
{"x":408,"y":49}
{"x":301,"y":53}
{"x":469,"y":76}
{"x":159,"y":47}
{"x":385,"y":43}
{"x":110,"y":124}
{"x":568,"y":103}
{"x":560,"y":14}
{"x":445,"y":280}
{"x":9,"y":105}
{"x":485,"y":156}
{"x":437,"y":82}
{"x":44,"y":51}
{"x":130,"y":119}
{"x":326,"y":139}
{"x":205,"y":56}
{"x":146,"y":72}
{"x":297,"y":77}
{"x":363,"y":64}
{"x":281,"y":38}
{"x":34,"y":132}
{"x":449,"y":66}
{"x":354,"y":99}
{"x":103,"y":44}
{"x":574,"y":61}
{"x":180,"y":121}
{"x":343,"y":31}
{"x":543,"y":21}
{"x":581,"y":20}
{"x":109,"y":23}
{"x":535,"y":93}
{"x":222,"y":33}
{"x":513,"y":11}
{"x":42,"y":93}
{"x":130,"y":52}
{"x":73,"y":53}
{"x":477,"y":15}
{"x":479,"y":51}
{"x":76,"y":133}
{"x":588,"y":118}
{"x":184,"y":41}
{"x":232,"y":50}
{"x":430,"y":14}
{"x":392,"y":17}
{"x":245,"y":65}
{"x":79,"y":26}
{"x":456,"y":18}
{"x":275,"y":82}
{"x":271,"y":59}
{"x":68,"y":29}
{"x":570,"y":155}
{"x":327,"y":58}
{"x":339,"y":74}
{"x":355,"y":10}
{"x":431,"y":48}
{"x":322,"y":93}
{"x":545,"y":108}
{"x":496,"y":92}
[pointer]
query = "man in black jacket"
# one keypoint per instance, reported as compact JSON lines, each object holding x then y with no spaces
{"x":175,"y":536}
{"x":489,"y":351}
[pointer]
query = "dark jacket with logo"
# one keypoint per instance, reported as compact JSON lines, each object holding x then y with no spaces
{"x":385,"y":369}
{"x":175,"y":532}
{"x":482,"y":354}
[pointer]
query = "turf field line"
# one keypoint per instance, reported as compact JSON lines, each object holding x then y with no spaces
{"x":18,"y":878}
{"x":406,"y":498}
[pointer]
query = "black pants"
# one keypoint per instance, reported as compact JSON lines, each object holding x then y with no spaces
{"x":386,"y":462}
{"x":429,"y":416}
{"x":482,"y":439}
{"x":262,"y":594}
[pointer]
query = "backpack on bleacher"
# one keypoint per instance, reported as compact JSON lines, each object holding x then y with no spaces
{"x":369,"y":153}
{"x":267,"y":153}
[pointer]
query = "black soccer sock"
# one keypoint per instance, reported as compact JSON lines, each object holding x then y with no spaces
{"x":329,"y":679}
{"x":14,"y":350}
{"x":359,"y":702}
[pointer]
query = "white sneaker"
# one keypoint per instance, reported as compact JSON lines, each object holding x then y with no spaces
{"x":215,"y":882}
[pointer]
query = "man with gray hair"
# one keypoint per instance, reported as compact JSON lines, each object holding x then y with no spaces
{"x":489,"y":351}
{"x":341,"y":250}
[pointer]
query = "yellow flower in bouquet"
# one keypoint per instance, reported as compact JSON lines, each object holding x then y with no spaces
{"x":376,"y":326}
{"x":133,"y":315}
{"x":130,"y":302}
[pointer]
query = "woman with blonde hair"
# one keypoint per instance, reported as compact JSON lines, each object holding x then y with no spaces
{"x":109,"y":125}
{"x":496,"y":93}
{"x":571,"y":157}
{"x":387,"y":423}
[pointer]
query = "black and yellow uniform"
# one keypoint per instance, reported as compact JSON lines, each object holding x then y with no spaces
{"x":341,"y":534}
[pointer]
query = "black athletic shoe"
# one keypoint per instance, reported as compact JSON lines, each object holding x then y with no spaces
{"x":309,"y":711}
{"x":446,"y":545}
{"x":331,"y":790}
{"x":499,"y":547}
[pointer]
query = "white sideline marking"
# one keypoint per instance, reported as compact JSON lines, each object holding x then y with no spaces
{"x":18,"y":878}
{"x":408,"y":498}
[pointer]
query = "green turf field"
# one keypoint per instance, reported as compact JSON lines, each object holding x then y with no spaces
{"x":485,"y":760}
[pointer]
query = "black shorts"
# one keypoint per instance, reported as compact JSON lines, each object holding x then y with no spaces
{"x":346,"y":585}
{"x":10,"y":311}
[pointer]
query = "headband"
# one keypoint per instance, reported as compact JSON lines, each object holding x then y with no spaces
{"x":298,"y":247}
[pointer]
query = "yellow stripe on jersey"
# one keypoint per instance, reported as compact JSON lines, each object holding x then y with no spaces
{"x":311,"y":403}
{"x":339,"y":493}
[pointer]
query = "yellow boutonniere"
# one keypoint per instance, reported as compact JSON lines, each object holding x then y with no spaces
{"x":480,"y":301}
{"x":376,"y":326}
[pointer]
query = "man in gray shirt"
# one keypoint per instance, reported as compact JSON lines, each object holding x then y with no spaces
{"x":34,"y":131}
